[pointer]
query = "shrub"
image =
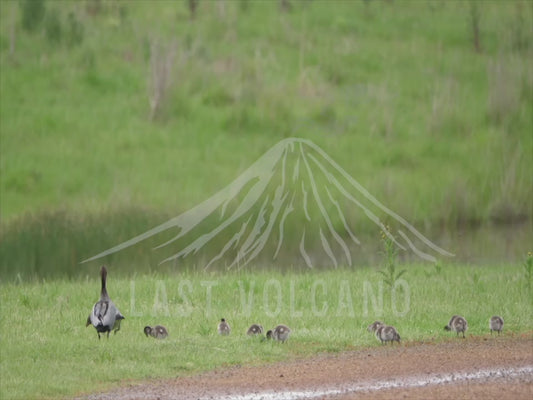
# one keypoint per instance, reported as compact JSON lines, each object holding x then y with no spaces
{"x":74,"y":30}
{"x":52,"y":27}
{"x":32,"y":14}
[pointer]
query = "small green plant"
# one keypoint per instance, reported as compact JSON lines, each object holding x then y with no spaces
{"x":193,"y":5}
{"x":519,"y":35}
{"x":74,"y":30}
{"x":528,"y":270}
{"x":475,"y":17}
{"x":390,"y":274}
{"x":475,"y":277}
{"x":33,"y":12}
{"x":53,"y":28}
{"x":205,"y":329}
{"x":437,"y":269}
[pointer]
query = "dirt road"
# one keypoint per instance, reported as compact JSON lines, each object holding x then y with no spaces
{"x":463,"y":368}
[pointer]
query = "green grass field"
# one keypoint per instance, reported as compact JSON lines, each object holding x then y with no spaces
{"x":48,"y":353}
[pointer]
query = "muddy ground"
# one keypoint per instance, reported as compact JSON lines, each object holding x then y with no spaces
{"x":488,"y":368}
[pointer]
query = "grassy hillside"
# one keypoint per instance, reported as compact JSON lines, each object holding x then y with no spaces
{"x":394,"y":91}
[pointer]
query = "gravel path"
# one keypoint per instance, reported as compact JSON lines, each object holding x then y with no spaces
{"x":470,"y":368}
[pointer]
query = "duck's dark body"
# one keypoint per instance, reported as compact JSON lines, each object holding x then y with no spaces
{"x":223,"y":328}
{"x":280,"y":333}
{"x":254,"y":329}
{"x":496,"y":324}
{"x":384,"y":333}
{"x":457,"y":324}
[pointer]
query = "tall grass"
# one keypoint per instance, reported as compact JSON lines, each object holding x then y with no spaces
{"x":47,"y":352}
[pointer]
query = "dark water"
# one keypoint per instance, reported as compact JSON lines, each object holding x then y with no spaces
{"x":494,"y":244}
{"x":484,"y":245}
{"x":53,"y":248}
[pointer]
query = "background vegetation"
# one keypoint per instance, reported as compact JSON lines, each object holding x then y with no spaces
{"x":117,"y":115}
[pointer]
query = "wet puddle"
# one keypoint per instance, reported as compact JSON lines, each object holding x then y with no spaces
{"x":403,"y":383}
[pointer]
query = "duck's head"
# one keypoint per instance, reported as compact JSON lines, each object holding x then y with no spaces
{"x":269,"y":334}
{"x":255,"y":330}
{"x":374,"y":326}
{"x":147,"y":330}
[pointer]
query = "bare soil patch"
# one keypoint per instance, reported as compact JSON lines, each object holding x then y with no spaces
{"x":409,"y":362}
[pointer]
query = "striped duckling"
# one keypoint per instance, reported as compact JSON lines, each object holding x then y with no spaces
{"x":496,"y":324}
{"x":158,"y":331}
{"x":105,"y":316}
{"x":254,"y":329}
{"x":387,"y":333}
{"x":280,"y":333}
{"x":223,"y":327}
{"x":457,"y":324}
{"x":384,"y":333}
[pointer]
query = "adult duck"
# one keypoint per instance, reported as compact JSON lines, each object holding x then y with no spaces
{"x":105,"y":316}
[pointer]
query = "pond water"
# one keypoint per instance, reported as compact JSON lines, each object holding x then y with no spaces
{"x":485,"y":245}
{"x":51,"y":251}
{"x":500,"y":244}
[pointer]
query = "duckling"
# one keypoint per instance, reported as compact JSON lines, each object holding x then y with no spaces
{"x":254,"y":329}
{"x":457,"y":324}
{"x":223,"y":327}
{"x":374,"y":326}
{"x":280,"y":333}
{"x":105,"y":316}
{"x":496,"y":324}
{"x":386,"y":333}
{"x":158,"y":331}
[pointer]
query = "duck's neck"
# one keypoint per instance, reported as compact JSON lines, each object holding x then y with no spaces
{"x":103,"y":293}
